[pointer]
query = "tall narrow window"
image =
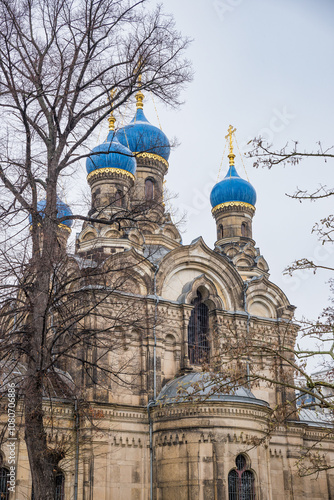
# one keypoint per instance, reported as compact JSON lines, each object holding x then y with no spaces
{"x":241,"y":481}
{"x":198,"y":331}
{"x":244,"y":229}
{"x":149,"y":189}
{"x":60,"y":486}
{"x":4,"y":478}
{"x":119,"y":198}
{"x":221,"y":232}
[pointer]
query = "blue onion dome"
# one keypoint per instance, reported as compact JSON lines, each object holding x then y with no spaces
{"x":63,"y":210}
{"x":111,"y":154}
{"x":233,"y":189}
{"x":140,"y":136}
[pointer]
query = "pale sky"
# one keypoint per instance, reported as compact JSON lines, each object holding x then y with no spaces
{"x":266,"y":67}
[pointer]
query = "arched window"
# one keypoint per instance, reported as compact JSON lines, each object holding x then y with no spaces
{"x":60,"y":487}
{"x":198,"y":331}
{"x":241,"y":481}
{"x":4,"y":478}
{"x":119,"y":198}
{"x":244,"y":229}
{"x":149,"y":189}
{"x":221,"y":232}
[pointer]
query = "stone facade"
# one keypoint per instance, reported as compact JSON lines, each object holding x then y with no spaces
{"x":131,"y":446}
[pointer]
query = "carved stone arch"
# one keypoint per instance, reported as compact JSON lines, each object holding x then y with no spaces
{"x":267,"y":300}
{"x":111,"y":232}
{"x":170,"y":231}
{"x":206,"y":288}
{"x":250,"y":250}
{"x":186,"y":263}
{"x":88,"y":234}
{"x":138,"y":271}
{"x":136,"y":237}
{"x":261,"y":306}
{"x":231,"y":250}
{"x":149,"y":228}
{"x":170,"y":339}
{"x":262,"y":264}
{"x":243,"y":260}
{"x":126,"y":281}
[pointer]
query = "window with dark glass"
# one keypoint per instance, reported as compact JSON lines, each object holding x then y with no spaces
{"x":221,"y":232}
{"x":149,"y":189}
{"x":4,"y":478}
{"x":198,"y":332}
{"x":241,"y":481}
{"x":60,"y":487}
{"x":244,"y":229}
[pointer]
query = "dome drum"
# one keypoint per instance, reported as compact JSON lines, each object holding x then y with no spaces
{"x":110,"y":192}
{"x":234,"y":222}
{"x":233,"y":206}
{"x":105,"y":174}
{"x":152,"y":161}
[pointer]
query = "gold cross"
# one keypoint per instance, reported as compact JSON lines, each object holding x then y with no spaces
{"x":231,"y":131}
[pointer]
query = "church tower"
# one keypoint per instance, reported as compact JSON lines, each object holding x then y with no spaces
{"x":126,"y":176}
{"x":152,"y":149}
{"x":233,"y":203}
{"x":111,"y":169}
{"x":233,"y":206}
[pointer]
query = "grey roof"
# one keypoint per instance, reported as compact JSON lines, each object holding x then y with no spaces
{"x":205,"y":387}
{"x":316,"y":418}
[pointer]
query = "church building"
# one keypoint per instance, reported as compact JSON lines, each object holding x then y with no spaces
{"x":168,"y":423}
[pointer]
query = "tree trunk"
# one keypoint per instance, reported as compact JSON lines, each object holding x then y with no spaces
{"x":42,"y":461}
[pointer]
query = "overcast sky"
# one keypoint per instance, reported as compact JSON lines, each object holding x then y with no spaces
{"x":266,"y":67}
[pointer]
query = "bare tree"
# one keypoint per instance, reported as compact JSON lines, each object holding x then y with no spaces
{"x":316,"y":340}
{"x":59,"y":60}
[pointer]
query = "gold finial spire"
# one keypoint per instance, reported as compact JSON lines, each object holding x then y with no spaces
{"x":139,"y":96}
{"x":111,"y":118}
{"x":140,"y":99}
{"x":231,"y":156}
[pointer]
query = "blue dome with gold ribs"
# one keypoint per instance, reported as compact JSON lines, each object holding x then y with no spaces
{"x":63,"y":210}
{"x":111,"y":154}
{"x":233,"y":188}
{"x":140,"y":136}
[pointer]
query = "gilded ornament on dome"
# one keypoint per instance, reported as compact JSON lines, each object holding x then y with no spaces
{"x":233,"y":204}
{"x":109,"y":170}
{"x":152,"y":156}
